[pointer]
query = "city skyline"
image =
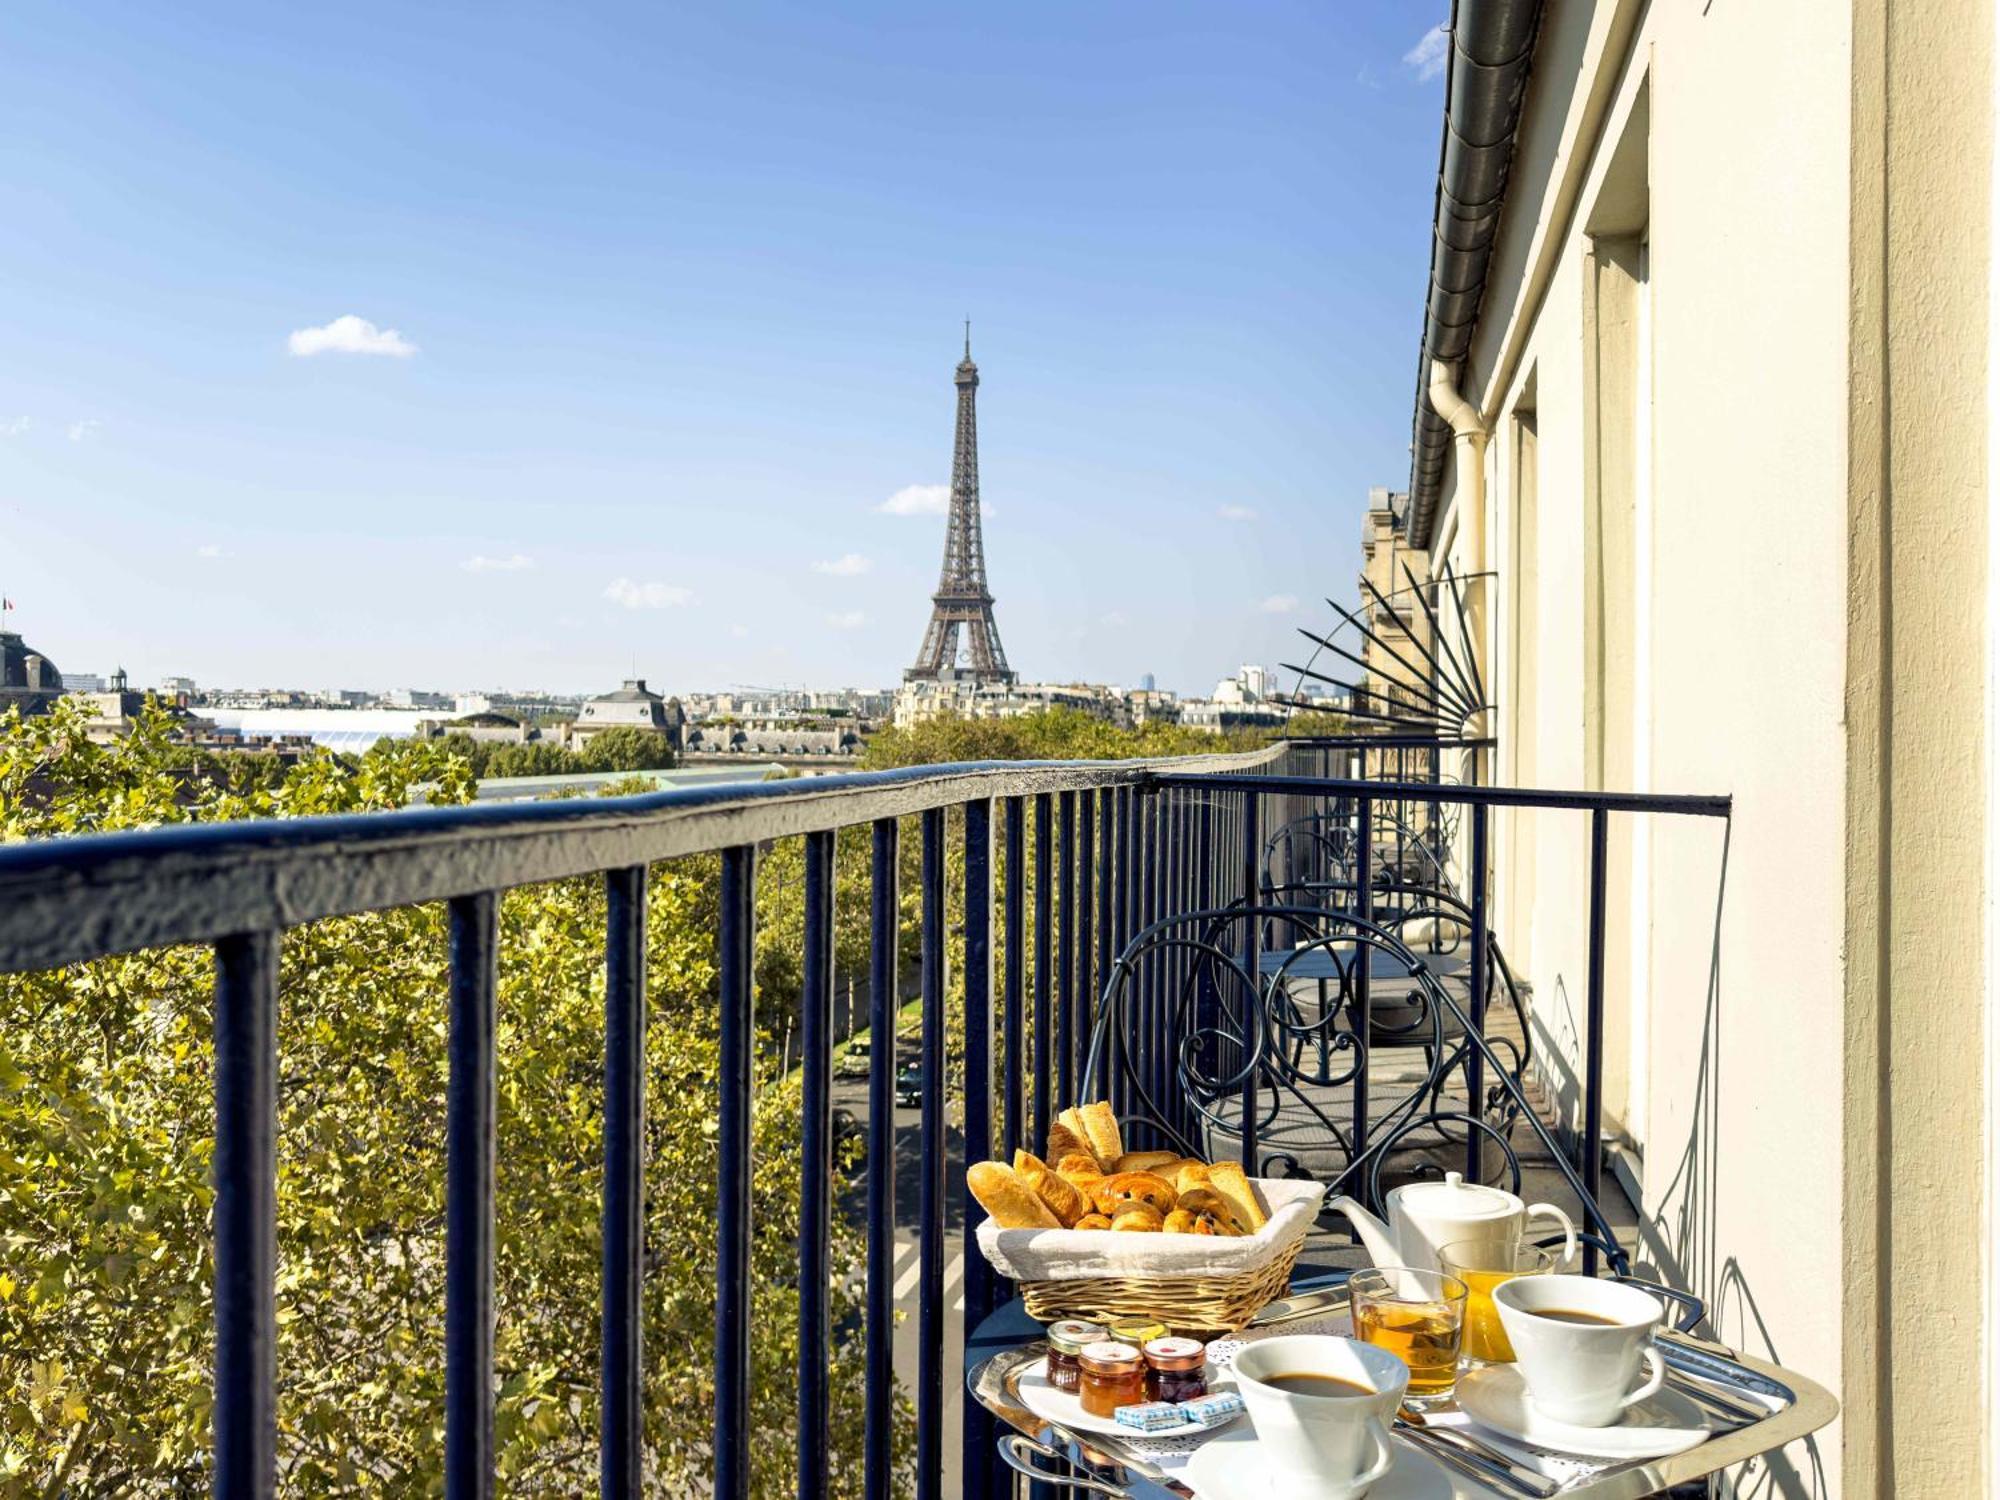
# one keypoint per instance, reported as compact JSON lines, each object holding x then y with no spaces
{"x":409,"y":387}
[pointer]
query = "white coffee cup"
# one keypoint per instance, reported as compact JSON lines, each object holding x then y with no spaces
{"x":1332,"y":1447}
{"x":1582,"y":1372}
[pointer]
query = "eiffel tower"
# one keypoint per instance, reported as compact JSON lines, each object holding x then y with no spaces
{"x":962,"y":599}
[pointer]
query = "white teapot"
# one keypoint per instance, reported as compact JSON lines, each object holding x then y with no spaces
{"x":1424,"y":1217}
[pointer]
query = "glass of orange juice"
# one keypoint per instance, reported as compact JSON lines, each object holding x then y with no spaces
{"x":1482,"y":1265}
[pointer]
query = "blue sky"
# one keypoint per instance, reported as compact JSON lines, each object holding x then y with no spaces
{"x":658,"y":308}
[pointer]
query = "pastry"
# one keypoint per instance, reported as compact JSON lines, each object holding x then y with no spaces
{"x":1011,"y":1202}
{"x":1141,"y":1187}
{"x":1061,"y":1195}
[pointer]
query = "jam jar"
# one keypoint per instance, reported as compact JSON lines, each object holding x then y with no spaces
{"x":1114,"y":1375}
{"x":1067,"y":1340}
{"x":1176,"y":1370}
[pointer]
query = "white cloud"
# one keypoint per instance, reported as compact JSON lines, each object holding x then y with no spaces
{"x":1236,"y":513}
{"x":847,"y":565}
{"x":852,"y":619}
{"x":1280,"y":604}
{"x":210,"y":550}
{"x":1116,"y":619}
{"x":739,"y":631}
{"x":16,"y":426}
{"x":1428,"y":57}
{"x":78,"y":431}
{"x":646,"y":595}
{"x":513,"y":563}
{"x":918,"y":500}
{"x":350,"y":335}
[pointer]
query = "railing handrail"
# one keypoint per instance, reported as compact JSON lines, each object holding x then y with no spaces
{"x":70,"y":899}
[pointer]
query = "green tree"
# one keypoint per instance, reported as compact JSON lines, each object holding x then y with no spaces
{"x":627,"y":748}
{"x":106,"y":1119}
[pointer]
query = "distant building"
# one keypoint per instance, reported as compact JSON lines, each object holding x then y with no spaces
{"x":172,"y":687}
{"x":29,"y":681}
{"x":632,"y":706}
{"x":84,"y":682}
{"x":967,"y":698}
{"x":1147,"y":704}
{"x":1239,"y":702}
{"x":113,"y":711}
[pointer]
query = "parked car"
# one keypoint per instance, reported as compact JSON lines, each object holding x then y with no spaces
{"x":853,"y":1061}
{"x":910,"y":1086}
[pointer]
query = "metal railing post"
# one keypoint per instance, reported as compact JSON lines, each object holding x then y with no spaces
{"x":878,"y":1455}
{"x":468,"y":1200}
{"x":1593,"y":1026}
{"x":246,"y":1217}
{"x":976,"y":1434}
{"x":624,"y":1225}
{"x":736,"y":1072}
{"x":930,"y":1180}
{"x":816,"y":1188}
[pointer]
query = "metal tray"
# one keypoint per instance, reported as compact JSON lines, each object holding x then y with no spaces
{"x":1753,"y":1407}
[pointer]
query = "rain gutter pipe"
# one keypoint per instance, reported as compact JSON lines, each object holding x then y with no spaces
{"x":1486,"y":82}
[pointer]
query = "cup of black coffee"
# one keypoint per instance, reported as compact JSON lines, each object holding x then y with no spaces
{"x":1582,"y":1344}
{"x":1321,"y":1406}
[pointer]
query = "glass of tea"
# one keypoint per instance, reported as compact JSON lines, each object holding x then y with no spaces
{"x":1418,"y":1316}
{"x":1482,"y":1265}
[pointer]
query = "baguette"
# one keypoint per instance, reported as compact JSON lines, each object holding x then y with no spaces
{"x":1061,"y":1196}
{"x":1066,"y":1141}
{"x":1227,"y":1178}
{"x":1100,"y":1128}
{"x":1011,"y":1202}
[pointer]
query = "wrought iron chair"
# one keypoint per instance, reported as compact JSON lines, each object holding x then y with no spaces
{"x":1195,"y":1038}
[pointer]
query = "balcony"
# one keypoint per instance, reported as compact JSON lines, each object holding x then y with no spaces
{"x":1058,"y":909}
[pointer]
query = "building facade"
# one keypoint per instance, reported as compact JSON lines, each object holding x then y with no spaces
{"x":1722,"y":431}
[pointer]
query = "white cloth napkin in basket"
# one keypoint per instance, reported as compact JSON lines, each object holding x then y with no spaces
{"x":1082,"y":1254}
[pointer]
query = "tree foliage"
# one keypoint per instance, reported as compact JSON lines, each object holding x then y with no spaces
{"x":625,"y":748}
{"x":106,"y":1120}
{"x":1052,"y":734}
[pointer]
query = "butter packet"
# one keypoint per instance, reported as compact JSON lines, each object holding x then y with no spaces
{"x":1151,"y":1416}
{"x":1217,"y":1406}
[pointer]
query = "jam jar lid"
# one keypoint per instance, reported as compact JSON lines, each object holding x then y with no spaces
{"x":1073,"y":1335}
{"x":1109,"y":1357}
{"x":1176,"y":1354}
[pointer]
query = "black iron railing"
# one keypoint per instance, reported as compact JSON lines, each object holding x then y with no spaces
{"x":1117,"y":849}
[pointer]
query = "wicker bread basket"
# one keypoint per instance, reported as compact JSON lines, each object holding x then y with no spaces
{"x":1194,"y":1284}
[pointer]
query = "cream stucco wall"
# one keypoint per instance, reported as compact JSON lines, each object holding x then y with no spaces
{"x":1770,"y":583}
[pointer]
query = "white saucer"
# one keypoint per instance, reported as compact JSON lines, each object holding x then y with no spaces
{"x":1234,"y":1467}
{"x":1666,"y":1422}
{"x":1065,"y":1410}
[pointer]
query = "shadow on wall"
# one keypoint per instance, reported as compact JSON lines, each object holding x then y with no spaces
{"x":1679,"y":1241}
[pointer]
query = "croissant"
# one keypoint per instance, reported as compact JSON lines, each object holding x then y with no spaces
{"x":1142,"y":1187}
{"x":1064,"y":1201}
{"x":1137,"y":1217}
{"x":1211,"y":1203}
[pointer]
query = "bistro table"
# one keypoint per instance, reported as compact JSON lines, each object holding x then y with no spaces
{"x":1778,"y":1407}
